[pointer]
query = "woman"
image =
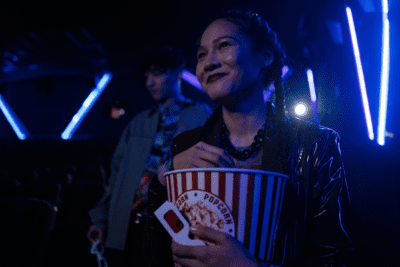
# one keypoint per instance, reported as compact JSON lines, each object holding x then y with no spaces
{"x":238,"y":57}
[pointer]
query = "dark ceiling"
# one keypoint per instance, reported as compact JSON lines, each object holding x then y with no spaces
{"x":43,"y":38}
{"x":84,"y":38}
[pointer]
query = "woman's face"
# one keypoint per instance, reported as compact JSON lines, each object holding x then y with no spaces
{"x":228,"y":67}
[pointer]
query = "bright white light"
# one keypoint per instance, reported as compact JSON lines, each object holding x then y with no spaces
{"x":384,"y":77}
{"x":360,"y":72}
{"x":86,"y":106}
{"x":385,"y":7}
{"x":300,"y":109}
{"x":12,"y":118}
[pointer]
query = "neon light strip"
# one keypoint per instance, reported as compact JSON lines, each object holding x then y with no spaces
{"x":360,"y":72}
{"x":192,"y":79}
{"x":385,"y":8}
{"x":313,"y":95}
{"x":311,"y":85}
{"x":384,"y":76}
{"x":86,"y":106}
{"x":13,"y":119}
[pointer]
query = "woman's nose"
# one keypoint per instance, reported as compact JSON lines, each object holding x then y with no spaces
{"x":212,"y":62}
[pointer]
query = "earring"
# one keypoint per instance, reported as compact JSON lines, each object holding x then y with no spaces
{"x":268,"y":62}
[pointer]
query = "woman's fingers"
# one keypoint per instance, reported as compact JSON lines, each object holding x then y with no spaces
{"x":211,"y":235}
{"x":182,"y":262}
{"x":187,"y":252}
{"x":215,"y":155}
{"x":203,"y":155}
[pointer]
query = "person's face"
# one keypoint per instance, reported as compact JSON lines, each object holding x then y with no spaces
{"x":228,"y":66}
{"x":160,"y":85}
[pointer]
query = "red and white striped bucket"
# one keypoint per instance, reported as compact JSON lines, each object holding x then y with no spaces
{"x":244,"y":203}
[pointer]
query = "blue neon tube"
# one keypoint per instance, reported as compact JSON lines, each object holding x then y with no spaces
{"x":360,"y":72}
{"x":313,"y":95}
{"x":86,"y":106}
{"x":191,"y":78}
{"x":384,"y":75}
{"x":18,"y":127}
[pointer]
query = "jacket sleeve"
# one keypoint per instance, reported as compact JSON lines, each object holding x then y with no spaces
{"x":157,"y":242}
{"x":328,"y":218}
{"x":99,"y":214}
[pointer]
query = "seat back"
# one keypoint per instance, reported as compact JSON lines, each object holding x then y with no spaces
{"x":25,"y":227}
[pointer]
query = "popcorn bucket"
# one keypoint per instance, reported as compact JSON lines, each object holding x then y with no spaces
{"x":243,"y":203}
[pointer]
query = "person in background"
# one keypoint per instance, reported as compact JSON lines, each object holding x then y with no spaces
{"x":239,"y":56}
{"x":120,"y":215}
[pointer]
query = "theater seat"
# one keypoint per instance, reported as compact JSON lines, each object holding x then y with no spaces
{"x":9,"y":187}
{"x":43,"y":189}
{"x":25,"y":227}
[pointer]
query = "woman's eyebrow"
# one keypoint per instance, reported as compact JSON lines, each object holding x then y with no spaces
{"x":224,"y":37}
{"x":200,"y":47}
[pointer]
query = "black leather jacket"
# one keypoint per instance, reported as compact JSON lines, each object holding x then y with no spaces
{"x":315,"y":219}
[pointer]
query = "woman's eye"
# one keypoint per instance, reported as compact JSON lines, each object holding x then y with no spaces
{"x":200,"y":55}
{"x":222,"y":45}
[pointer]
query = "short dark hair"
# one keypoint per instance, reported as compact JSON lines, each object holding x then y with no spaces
{"x":163,"y":58}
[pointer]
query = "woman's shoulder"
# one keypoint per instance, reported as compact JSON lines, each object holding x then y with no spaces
{"x":309,"y":130}
{"x":196,"y":107}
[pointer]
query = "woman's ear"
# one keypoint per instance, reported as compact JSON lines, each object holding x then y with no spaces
{"x":268,"y":57}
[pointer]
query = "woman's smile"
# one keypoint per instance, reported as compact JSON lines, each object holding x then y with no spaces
{"x":214,"y":77}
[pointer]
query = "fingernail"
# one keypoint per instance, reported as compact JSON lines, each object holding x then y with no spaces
{"x":194,"y":228}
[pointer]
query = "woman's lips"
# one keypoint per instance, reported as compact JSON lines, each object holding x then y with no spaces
{"x":214,"y":77}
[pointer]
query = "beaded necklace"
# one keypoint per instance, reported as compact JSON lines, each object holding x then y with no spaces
{"x":246,"y":153}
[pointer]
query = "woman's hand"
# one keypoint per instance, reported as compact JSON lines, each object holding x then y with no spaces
{"x":203,"y":155}
{"x":224,"y":250}
{"x":160,"y":174}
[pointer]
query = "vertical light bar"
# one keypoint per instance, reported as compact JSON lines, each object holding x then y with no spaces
{"x":313,"y":95}
{"x":360,"y":72}
{"x":18,"y":127}
{"x":384,"y":75}
{"x":385,"y":8}
{"x":86,"y":106}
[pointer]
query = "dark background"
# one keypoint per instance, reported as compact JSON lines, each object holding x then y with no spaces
{"x":52,"y":52}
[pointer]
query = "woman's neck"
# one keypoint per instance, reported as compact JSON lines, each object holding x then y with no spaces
{"x":243,"y":122}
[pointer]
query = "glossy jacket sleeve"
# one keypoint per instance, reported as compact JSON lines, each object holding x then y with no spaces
{"x":328,"y":215}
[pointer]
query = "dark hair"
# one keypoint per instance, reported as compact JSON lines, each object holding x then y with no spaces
{"x":264,"y":37}
{"x":163,"y":58}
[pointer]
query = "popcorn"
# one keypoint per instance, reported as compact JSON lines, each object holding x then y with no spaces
{"x":200,"y":214}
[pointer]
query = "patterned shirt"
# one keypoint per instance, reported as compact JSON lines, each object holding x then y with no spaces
{"x":169,"y":125}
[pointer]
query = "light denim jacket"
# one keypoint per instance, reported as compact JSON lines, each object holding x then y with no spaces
{"x":114,"y":208}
